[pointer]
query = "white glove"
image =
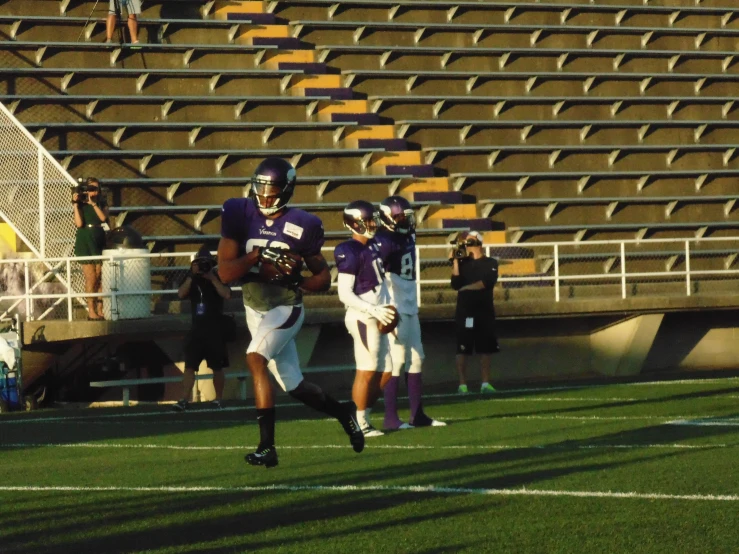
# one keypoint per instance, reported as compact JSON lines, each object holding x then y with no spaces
{"x":383,"y":314}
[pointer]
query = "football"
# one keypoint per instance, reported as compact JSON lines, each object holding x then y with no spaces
{"x":281,"y":270}
{"x":385,"y":329}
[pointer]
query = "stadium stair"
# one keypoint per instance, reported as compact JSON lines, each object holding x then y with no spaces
{"x":423,"y":182}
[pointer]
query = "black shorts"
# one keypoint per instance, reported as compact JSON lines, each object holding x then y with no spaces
{"x":477,"y":336}
{"x":205,"y":346}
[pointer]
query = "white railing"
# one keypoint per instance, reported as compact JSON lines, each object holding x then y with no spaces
{"x":681,"y":263}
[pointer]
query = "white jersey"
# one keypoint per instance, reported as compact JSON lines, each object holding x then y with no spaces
{"x":399,"y":259}
{"x":403,"y":293}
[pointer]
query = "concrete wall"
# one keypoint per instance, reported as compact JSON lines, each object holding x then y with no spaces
{"x":532,"y":351}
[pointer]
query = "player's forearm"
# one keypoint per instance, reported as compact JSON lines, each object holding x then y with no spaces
{"x":232,"y":270}
{"x":320,"y":282}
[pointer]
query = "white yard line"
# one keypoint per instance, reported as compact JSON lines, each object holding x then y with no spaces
{"x":706,"y":422}
{"x":418,"y":489}
{"x":135,"y":446}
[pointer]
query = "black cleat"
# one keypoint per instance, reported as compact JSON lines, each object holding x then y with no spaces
{"x":352,"y":428}
{"x":266,"y":457}
{"x":181,"y":406}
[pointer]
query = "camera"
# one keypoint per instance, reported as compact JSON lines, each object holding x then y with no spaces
{"x":204,"y":265}
{"x":83,"y":190}
{"x":460,"y":252}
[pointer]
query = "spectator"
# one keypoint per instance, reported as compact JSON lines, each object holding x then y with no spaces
{"x":90,"y":213}
{"x":133,"y":9}
{"x":206,"y":340}
{"x":474,"y":275}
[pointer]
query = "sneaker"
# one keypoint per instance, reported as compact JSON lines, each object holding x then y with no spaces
{"x":463,"y":389}
{"x":266,"y":456}
{"x":351,"y":427}
{"x":426,"y":421}
{"x":215,"y":404}
{"x":135,"y":45}
{"x":399,"y":426}
{"x":181,"y":406}
{"x":369,"y":431}
{"x":487,"y":388}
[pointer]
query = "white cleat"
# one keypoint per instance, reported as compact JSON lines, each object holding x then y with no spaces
{"x":369,"y":431}
{"x":405,"y":426}
{"x":437,"y":423}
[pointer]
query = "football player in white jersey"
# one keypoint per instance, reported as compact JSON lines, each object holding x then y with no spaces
{"x":362,"y":290}
{"x":264,"y":244}
{"x":397,"y":242}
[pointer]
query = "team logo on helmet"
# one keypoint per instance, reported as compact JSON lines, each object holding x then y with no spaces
{"x":360,"y":217}
{"x":396,"y":214}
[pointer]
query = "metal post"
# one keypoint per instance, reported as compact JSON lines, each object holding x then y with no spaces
{"x":623,"y":270}
{"x":556,"y":272}
{"x":687,"y":267}
{"x":243,"y":387}
{"x":27,"y":279}
{"x":418,"y":274}
{"x":41,"y":204}
{"x":69,"y":289}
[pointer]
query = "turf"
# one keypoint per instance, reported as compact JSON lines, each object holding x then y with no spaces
{"x":504,"y":476}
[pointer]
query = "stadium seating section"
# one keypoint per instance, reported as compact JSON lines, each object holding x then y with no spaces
{"x":529,"y":121}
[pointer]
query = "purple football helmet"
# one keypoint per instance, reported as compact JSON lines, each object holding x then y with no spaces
{"x":273,"y":185}
{"x":396,"y":214}
{"x":361,"y":217}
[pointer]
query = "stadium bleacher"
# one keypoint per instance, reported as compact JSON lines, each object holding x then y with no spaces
{"x":526,"y":120}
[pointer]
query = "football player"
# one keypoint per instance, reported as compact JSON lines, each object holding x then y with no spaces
{"x":397,"y":241}
{"x":263,"y":245}
{"x":362,"y":290}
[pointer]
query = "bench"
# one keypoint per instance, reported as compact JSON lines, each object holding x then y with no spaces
{"x":532,"y":79}
{"x":586,"y":178}
{"x":221,"y":157}
{"x":126,"y":384}
{"x":166,"y":103}
{"x":115,"y":50}
{"x":671,"y":203}
{"x":559,"y":104}
{"x":72,"y":76}
{"x":536,"y":32}
{"x":507,"y":55}
{"x":642,"y":228}
{"x":324,"y":182}
{"x":554,"y":153}
{"x":202,"y":211}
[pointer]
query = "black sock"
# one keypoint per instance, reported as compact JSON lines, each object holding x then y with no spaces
{"x":266,"y":419}
{"x":319,"y":401}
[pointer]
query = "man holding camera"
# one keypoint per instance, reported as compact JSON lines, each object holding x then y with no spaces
{"x":474,"y":275}
{"x":90,"y":216}
{"x":206,"y":340}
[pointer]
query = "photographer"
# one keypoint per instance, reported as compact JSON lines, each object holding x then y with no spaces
{"x":90,"y":213}
{"x":474,"y":275}
{"x":206,"y":340}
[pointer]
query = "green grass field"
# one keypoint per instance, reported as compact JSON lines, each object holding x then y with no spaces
{"x":647,"y":467}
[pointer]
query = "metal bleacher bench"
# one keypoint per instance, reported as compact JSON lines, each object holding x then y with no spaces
{"x":126,"y":384}
{"x":242,"y":376}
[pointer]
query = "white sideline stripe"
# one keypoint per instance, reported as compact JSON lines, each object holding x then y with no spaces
{"x":728,"y":422}
{"x":668,"y":419}
{"x":370,"y":446}
{"x":431,"y":489}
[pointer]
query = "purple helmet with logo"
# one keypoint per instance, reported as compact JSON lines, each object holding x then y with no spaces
{"x":273,"y":185}
{"x":396,"y":214}
{"x":361,"y":217}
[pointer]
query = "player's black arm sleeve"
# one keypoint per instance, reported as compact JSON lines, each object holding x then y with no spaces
{"x":320,"y":280}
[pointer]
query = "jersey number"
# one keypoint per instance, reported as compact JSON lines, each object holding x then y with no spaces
{"x":407,"y":266}
{"x":379,"y":269}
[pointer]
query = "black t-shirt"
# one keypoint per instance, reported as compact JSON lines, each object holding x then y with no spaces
{"x":475,"y":302}
{"x":206,"y":304}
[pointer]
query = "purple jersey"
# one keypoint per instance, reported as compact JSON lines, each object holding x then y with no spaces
{"x":363,"y":261}
{"x":398,"y":253}
{"x":294,"y":230}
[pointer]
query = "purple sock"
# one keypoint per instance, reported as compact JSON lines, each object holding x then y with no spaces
{"x":392,"y":421}
{"x":415,"y":386}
